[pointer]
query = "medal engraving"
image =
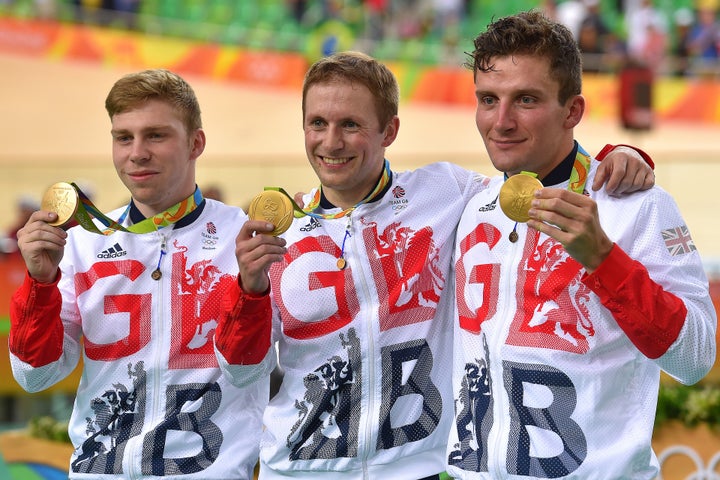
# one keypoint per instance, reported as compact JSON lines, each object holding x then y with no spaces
{"x":62,"y":199}
{"x":516,"y":196}
{"x":273,"y":207}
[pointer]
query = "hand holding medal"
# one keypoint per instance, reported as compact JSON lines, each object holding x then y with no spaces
{"x":273,"y":207}
{"x":71,"y":203}
{"x":63,"y":199}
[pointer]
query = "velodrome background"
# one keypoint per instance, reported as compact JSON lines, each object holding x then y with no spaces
{"x":53,"y":126}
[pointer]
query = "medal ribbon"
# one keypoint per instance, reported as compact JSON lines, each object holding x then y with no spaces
{"x":579,"y":174}
{"x":86,"y":209}
{"x":315,"y":202}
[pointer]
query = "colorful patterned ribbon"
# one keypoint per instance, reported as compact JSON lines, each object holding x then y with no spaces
{"x":579,"y":174}
{"x":315,"y":202}
{"x":87,"y":210}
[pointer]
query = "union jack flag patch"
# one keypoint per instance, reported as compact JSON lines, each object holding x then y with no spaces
{"x":678,"y":240}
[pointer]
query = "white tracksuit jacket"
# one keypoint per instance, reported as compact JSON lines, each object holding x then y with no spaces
{"x":366,"y":351}
{"x":152,"y":402}
{"x":556,"y":371}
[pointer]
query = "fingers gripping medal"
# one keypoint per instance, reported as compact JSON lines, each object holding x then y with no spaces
{"x":516,"y":197}
{"x":61,"y":198}
{"x":273,"y":207}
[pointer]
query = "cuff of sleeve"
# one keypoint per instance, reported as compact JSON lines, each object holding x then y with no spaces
{"x":44,"y":293}
{"x":249,"y":303}
{"x":611,"y":273}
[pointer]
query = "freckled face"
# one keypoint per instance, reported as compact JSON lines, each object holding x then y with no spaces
{"x":518,"y":115}
{"x":344,"y":140}
{"x":154,"y":156}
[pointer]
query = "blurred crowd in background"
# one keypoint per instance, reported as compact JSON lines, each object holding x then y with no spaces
{"x":670,"y":37}
{"x":673,"y":37}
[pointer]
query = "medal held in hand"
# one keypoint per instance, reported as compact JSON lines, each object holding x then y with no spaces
{"x":516,"y":195}
{"x":63,"y":199}
{"x":70,"y":203}
{"x":274,"y":207}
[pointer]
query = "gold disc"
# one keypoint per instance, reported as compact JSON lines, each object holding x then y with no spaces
{"x":516,"y":196}
{"x":341,"y":263}
{"x":61,"y":198}
{"x":273,"y":207}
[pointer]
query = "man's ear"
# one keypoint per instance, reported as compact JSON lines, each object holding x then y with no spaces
{"x":576,"y":109}
{"x":391,"y":131}
{"x":198,"y":143}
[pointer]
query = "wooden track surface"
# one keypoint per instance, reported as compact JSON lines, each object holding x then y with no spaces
{"x":54,"y":127}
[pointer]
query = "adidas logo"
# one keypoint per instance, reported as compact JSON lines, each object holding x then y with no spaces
{"x":490,"y":206}
{"x":112,"y":252}
{"x":313,"y":224}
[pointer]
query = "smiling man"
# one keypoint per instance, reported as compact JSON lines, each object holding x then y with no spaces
{"x":138,"y":298}
{"x":563,"y":323}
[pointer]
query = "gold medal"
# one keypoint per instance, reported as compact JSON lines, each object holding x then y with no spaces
{"x":273,"y":207}
{"x":156,"y":274}
{"x":341,"y":263}
{"x":61,"y":198}
{"x":516,"y":196}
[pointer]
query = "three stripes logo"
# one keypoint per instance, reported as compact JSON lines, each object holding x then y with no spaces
{"x":490,"y":206}
{"x":113,"y":252}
